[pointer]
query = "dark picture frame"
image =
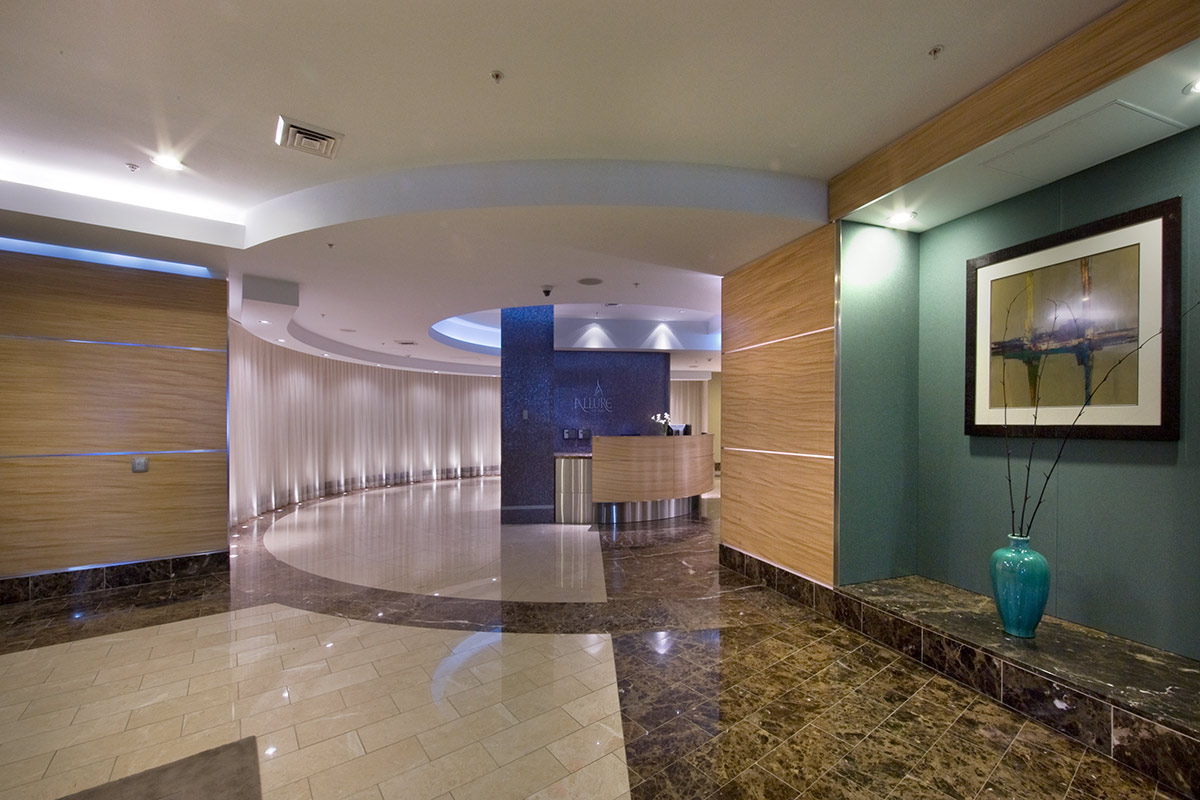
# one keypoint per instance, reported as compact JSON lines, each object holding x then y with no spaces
{"x":1091,"y":312}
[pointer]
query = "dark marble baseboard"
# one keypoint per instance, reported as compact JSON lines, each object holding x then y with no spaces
{"x":1135,"y":704}
{"x":48,"y":585}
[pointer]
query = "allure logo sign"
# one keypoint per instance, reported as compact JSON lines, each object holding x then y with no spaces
{"x":597,"y":402}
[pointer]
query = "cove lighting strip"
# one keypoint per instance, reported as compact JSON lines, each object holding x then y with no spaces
{"x":108,"y":259}
{"x":777,"y":341}
{"x":776,"y":453}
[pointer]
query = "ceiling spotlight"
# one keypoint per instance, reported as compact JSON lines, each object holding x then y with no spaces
{"x":1192,"y":88}
{"x":281,"y":341}
{"x":168,"y":161}
{"x":132,"y":167}
{"x":590,"y":281}
{"x":901,"y":217}
{"x":265,"y":321}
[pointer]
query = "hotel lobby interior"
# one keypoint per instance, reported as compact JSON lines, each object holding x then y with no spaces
{"x":336,"y":339}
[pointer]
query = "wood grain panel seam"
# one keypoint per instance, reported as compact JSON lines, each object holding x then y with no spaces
{"x":778,"y":453}
{"x":777,"y":341}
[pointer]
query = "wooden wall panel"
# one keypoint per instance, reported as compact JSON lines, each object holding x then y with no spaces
{"x":94,"y":510}
{"x":786,"y":292}
{"x":98,"y":360}
{"x":1129,"y":37}
{"x":781,"y":396}
{"x":638,"y":468}
{"x":780,"y":508}
{"x":88,"y":398}
{"x":50,"y":297}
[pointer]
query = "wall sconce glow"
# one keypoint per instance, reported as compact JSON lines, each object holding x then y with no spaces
{"x":870,"y":256}
{"x":167,"y":161}
{"x":901,"y":218}
{"x":662,"y":338}
{"x":101,"y":257}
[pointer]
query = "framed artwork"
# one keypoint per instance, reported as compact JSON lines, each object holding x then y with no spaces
{"x":1078,"y":332}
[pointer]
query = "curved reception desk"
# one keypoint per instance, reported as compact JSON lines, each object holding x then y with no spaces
{"x":638,"y":478}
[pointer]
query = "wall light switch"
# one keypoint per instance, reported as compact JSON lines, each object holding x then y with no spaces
{"x":141,"y":464}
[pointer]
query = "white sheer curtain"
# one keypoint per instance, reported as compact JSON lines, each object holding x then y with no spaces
{"x":301,"y":426}
{"x":689,"y":404}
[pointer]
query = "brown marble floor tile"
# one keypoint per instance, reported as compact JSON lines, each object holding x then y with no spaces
{"x":985,"y":719}
{"x":879,"y":762}
{"x":665,"y":745}
{"x":852,"y":718}
{"x":1026,"y":771}
{"x":805,"y":757}
{"x":834,"y":787}
{"x":1100,"y":778}
{"x":755,"y":784}
{"x":677,"y":781}
{"x":957,"y":767}
{"x":732,"y":752}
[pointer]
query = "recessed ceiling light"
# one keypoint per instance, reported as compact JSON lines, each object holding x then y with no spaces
{"x":281,"y":340}
{"x":590,"y":281}
{"x":324,"y":355}
{"x":1192,"y":88}
{"x":167,"y":161}
{"x":264,"y":321}
{"x":902,"y":217}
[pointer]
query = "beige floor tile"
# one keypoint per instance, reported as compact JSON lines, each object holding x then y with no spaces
{"x":517,"y":741}
{"x":142,"y":667}
{"x":181,"y":706}
{"x":589,"y":744}
{"x":561,"y":667}
{"x":308,"y":761}
{"x":347,"y":719}
{"x":508,"y":664}
{"x":439,"y":776}
{"x":413,"y":697}
{"x":282,"y":678}
{"x":545,"y":697}
{"x":365,"y":655}
{"x":601,"y":675}
{"x":406,"y":724}
{"x":14,"y":693}
{"x":565,"y":643}
{"x":278,"y":650}
{"x":466,"y":730}
{"x":366,"y":771}
{"x":292,"y":714}
{"x":366,"y":794}
{"x":13,"y":712}
{"x":234,"y":675}
{"x":413,"y":658}
{"x":383,"y":686}
{"x":207,"y":718}
{"x":64,"y":783}
{"x":304,"y":690}
{"x":153,"y":755}
{"x":20,"y":680}
{"x":604,"y":779}
{"x":469,"y":701}
{"x":23,"y":772}
{"x":277,"y":743}
{"x":292,"y":791}
{"x":236,"y":647}
{"x":594,"y":706}
{"x":513,"y":643}
{"x":130,"y":701}
{"x":78,"y":755}
{"x":59,"y":738}
{"x":188,"y":641}
{"x":42,"y":723}
{"x":515,"y":780}
{"x":321,"y":654}
{"x":188,"y":671}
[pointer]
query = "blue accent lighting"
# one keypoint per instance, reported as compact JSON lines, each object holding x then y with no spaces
{"x":108,"y":259}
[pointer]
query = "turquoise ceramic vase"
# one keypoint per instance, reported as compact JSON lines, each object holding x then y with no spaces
{"x":1021,"y":584}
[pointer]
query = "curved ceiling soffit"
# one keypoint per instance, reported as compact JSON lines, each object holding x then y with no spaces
{"x":539,"y":183}
{"x":327,"y":345}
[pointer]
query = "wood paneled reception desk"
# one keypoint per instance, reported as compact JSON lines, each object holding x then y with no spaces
{"x":638,"y":478}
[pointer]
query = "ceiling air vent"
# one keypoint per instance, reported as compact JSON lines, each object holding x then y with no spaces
{"x":306,"y":138}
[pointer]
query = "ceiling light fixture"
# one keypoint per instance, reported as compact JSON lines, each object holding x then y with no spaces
{"x":1192,"y":88}
{"x":590,"y":281}
{"x":901,"y":217}
{"x":167,"y":161}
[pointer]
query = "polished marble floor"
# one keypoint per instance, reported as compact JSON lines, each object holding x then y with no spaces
{"x":686,"y":681}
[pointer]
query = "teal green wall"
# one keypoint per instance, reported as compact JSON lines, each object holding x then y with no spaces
{"x":1121,"y":523}
{"x":877,"y":403}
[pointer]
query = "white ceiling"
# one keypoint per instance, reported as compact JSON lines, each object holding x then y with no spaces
{"x":655,"y":146}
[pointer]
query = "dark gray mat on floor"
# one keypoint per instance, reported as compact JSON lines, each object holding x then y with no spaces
{"x":228,"y":772}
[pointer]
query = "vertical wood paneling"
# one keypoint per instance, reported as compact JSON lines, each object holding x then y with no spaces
{"x":778,"y":385}
{"x":780,"y":508}
{"x":1126,"y":38}
{"x":77,"y":511}
{"x":104,"y":360}
{"x":780,"y":397}
{"x":786,"y":292}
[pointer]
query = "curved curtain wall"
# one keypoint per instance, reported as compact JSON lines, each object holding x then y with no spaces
{"x":689,"y":404}
{"x":301,"y":427}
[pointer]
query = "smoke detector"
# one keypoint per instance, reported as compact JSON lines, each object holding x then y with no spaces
{"x":306,"y":138}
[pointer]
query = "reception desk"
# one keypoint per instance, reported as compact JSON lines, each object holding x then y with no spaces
{"x":636,"y":478}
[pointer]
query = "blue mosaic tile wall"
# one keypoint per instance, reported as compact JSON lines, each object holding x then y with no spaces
{"x":527,"y":440}
{"x":608,"y":393}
